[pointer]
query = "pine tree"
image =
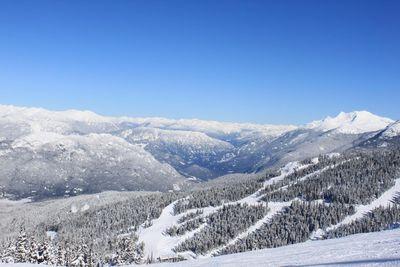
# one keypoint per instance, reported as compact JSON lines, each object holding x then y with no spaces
{"x":22,"y":247}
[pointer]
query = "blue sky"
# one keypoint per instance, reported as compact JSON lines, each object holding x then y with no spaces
{"x":246,"y":61}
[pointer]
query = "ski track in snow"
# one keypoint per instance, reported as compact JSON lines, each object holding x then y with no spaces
{"x":275,"y":208}
{"x":159,"y":244}
{"x":384,"y":200}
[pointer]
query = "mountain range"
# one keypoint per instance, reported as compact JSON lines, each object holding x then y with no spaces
{"x":63,"y":153}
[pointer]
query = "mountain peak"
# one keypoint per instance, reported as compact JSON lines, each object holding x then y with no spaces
{"x":355,"y":122}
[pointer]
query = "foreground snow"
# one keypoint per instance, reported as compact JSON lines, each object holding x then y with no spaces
{"x":372,"y":249}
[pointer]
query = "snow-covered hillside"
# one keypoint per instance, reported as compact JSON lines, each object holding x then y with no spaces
{"x":54,"y":164}
{"x":371,"y":249}
{"x":388,"y":137}
{"x":161,"y":244}
{"x":392,"y":130}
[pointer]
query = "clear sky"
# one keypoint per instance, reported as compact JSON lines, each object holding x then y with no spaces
{"x":246,"y":61}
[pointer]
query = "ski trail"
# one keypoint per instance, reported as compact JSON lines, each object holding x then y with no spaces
{"x":384,"y":200}
{"x":275,"y":208}
{"x":158,"y":244}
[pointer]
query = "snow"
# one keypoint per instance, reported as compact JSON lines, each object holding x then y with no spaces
{"x":85,"y":207}
{"x":212,"y":127}
{"x":392,"y":130}
{"x":9,"y":202}
{"x":40,"y":119}
{"x":384,"y":200}
{"x":37,"y":139}
{"x":190,"y":141}
{"x":275,"y":208}
{"x":41,"y":113}
{"x":372,"y":249}
{"x":356,"y":122}
{"x":158,"y":244}
{"x":289,"y":168}
{"x":74,"y":208}
{"x":51,"y":234}
{"x":22,"y":265}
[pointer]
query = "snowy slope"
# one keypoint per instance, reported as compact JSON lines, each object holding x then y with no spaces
{"x":384,"y":200}
{"x":372,"y":249}
{"x":159,"y":244}
{"x":388,"y":137}
{"x":190,"y":153}
{"x":196,"y":140}
{"x":54,"y":164}
{"x":356,"y":122}
{"x":392,"y":130}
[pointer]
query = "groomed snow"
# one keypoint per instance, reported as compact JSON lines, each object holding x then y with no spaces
{"x":372,"y":249}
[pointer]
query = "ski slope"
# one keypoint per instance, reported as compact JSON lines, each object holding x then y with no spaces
{"x":383,"y":201}
{"x":275,"y":208}
{"x":371,"y":249}
{"x":158,"y":244}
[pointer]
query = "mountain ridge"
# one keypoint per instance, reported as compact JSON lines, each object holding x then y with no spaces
{"x":184,"y":149}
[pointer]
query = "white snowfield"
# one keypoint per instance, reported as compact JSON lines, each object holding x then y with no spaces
{"x":371,"y":249}
{"x":356,"y":122}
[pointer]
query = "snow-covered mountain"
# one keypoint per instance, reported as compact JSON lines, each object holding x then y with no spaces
{"x":393,"y":130}
{"x":50,"y":164}
{"x":356,"y":122}
{"x":79,"y":151}
{"x":388,"y":137}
